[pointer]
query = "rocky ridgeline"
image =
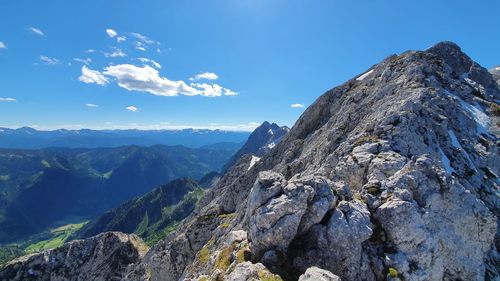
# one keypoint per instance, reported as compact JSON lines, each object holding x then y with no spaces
{"x":389,"y":176}
{"x":104,"y":257}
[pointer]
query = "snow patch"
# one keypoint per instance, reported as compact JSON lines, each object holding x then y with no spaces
{"x":270,"y":132}
{"x":456,"y":143}
{"x":454,"y":140}
{"x":483,"y":121}
{"x":446,"y":162}
{"x":362,"y":77}
{"x":497,"y":68}
{"x":271,"y":145}
{"x":254,"y":160}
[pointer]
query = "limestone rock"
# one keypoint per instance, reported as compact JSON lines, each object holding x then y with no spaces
{"x":246,"y":271}
{"x":278,"y":210}
{"x":107,"y":256}
{"x":318,"y":274}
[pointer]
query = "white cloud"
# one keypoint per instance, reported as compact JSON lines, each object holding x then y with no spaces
{"x":212,"y":90}
{"x":152,"y":62}
{"x":132,"y":108}
{"x":86,"y":61}
{"x":143,"y":38}
{"x":209,"y":90}
{"x":90,"y":76}
{"x":115,"y":54}
{"x":120,"y":39}
{"x":2,"y":45}
{"x":147,"y":79}
{"x":37,"y":31}
{"x":91,"y":105}
{"x":140,"y":46}
{"x":8,"y":99}
{"x":228,"y":92}
{"x":49,"y":61}
{"x":297,"y":105}
{"x":205,"y":75}
{"x":90,"y":51}
{"x":111,"y":33}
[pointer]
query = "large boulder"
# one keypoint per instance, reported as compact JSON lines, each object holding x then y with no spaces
{"x":278,"y":210}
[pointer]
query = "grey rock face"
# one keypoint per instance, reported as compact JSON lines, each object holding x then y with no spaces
{"x":420,"y":225}
{"x":318,"y":274}
{"x":278,"y":210}
{"x":108,"y":256}
{"x":337,"y":246}
{"x":246,"y":271}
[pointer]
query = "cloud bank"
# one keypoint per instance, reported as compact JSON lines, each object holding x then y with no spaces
{"x":147,"y":79}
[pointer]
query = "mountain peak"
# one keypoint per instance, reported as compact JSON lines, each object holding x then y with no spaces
{"x":261,"y":141}
{"x":360,"y":173}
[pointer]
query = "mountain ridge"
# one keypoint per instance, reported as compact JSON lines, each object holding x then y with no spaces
{"x":363,"y":140}
{"x":390,"y":176}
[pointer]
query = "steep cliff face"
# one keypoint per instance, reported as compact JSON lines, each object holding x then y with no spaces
{"x":393,"y":173}
{"x":389,"y":176}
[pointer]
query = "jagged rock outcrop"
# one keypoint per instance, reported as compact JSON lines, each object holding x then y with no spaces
{"x":260,"y":142}
{"x":105,"y":257}
{"x":391,"y":175}
{"x":278,"y":210}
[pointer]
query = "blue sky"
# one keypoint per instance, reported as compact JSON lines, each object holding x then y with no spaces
{"x":267,"y":55}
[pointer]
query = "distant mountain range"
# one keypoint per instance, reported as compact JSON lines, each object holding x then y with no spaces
{"x":40,"y":188}
{"x":29,"y":138}
{"x":158,"y":212}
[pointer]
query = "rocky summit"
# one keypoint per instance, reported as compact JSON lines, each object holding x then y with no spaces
{"x":392,"y":175}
